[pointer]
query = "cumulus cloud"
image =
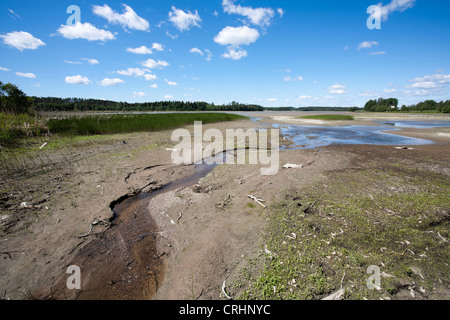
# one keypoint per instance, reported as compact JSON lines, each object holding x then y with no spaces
{"x":171,"y":83}
{"x":235,"y":54}
{"x":137,"y":72}
{"x":184,"y":21}
{"x":256,"y":16}
{"x":91,"y":61}
{"x":26,"y":75}
{"x":22,"y":40}
{"x":85,"y":31}
{"x":111,"y":82}
{"x":152,"y":64}
{"x":158,"y":47}
{"x":337,"y":89}
{"x":128,"y":19}
{"x":78,"y":79}
{"x":139,"y":94}
{"x":146,"y":50}
{"x":140,"y":50}
{"x":150,"y":77}
{"x":237,"y":36}
{"x":153,"y":86}
{"x":168,"y":96}
{"x":4,"y":69}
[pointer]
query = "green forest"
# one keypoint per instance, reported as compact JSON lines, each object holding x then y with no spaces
{"x":386,"y":105}
{"x":78,"y":104}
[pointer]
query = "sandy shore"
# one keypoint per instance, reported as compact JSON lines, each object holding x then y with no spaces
{"x":205,"y":232}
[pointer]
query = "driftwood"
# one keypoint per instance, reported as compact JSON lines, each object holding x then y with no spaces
{"x":258,"y":201}
{"x":338,"y":295}
{"x":224,"y":286}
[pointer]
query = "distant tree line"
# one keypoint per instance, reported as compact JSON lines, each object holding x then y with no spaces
{"x":428,"y":105}
{"x":331,"y":109}
{"x":385,"y":105}
{"x":78,"y":104}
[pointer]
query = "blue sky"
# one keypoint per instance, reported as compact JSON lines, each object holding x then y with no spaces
{"x":272,"y":53}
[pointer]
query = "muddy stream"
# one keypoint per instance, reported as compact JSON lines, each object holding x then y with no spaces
{"x":124,"y":263}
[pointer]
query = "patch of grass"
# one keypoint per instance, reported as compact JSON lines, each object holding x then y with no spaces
{"x":16,"y":126}
{"x":330,"y":117}
{"x":394,"y":218}
{"x":111,"y":124}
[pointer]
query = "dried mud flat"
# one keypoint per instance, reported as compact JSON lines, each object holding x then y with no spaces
{"x":178,"y":243}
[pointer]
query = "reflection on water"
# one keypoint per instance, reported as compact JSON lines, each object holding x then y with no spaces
{"x":311,"y":137}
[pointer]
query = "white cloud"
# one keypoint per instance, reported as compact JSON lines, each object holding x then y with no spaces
{"x":111,"y":82}
{"x":425,"y":85}
{"x":237,"y":36}
{"x":72,"y":62}
{"x":395,"y":5}
{"x":137,"y":72}
{"x":91,"y":61}
{"x":37,"y":85}
{"x":171,"y":83}
{"x":378,"y":53}
{"x":150,"y":77}
{"x":417,"y":93}
{"x":78,"y":80}
{"x":184,"y":20}
{"x":26,"y":75}
{"x":235,"y":54}
{"x":158,"y":47}
{"x":14,"y":15}
{"x":196,"y":50}
{"x":153,"y":86}
{"x":140,"y":50}
{"x":152,"y":64}
{"x":303,"y":97}
{"x":439,"y":78}
{"x":4,"y":69}
{"x":139,"y":94}
{"x":128,"y":19}
{"x":390,"y":90}
{"x":337,"y":89}
{"x":280,"y":12}
{"x":272,"y":100}
{"x":209,"y":55}
{"x":85,"y":31}
{"x":168,"y":96}
{"x":22,"y":40}
{"x":290,"y":79}
{"x":367,"y":44}
{"x":256,"y":16}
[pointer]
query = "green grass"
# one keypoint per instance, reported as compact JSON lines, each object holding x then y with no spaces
{"x":394,"y":218}
{"x":331,"y":117}
{"x":14,"y":127}
{"x":100,"y":125}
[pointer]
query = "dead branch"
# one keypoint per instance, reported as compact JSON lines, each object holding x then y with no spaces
{"x":258,"y":201}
